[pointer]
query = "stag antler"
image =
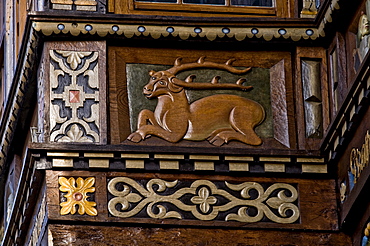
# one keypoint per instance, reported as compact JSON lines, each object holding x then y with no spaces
{"x":201,"y":63}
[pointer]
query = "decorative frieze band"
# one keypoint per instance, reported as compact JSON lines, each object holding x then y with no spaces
{"x":190,"y":199}
{"x":203,"y":200}
{"x":155,"y":162}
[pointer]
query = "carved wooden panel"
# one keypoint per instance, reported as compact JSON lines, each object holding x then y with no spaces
{"x":76,"y":94}
{"x":311,"y":84}
{"x":191,"y":200}
{"x":312,"y":101}
{"x":126,"y":96}
{"x":279,"y":104}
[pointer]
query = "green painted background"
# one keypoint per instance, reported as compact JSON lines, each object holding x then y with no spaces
{"x":259,"y":78}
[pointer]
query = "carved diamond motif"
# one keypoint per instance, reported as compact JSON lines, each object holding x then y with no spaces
{"x":74,"y":96}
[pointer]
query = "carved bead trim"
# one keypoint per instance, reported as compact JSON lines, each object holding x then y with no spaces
{"x":205,"y":200}
{"x":352,"y":109}
{"x":183,"y":32}
{"x":77,"y":191}
{"x":72,"y":119}
{"x":216,"y":163}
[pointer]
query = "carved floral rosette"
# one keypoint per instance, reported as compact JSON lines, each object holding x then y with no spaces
{"x":74,"y":96}
{"x":203,"y":200}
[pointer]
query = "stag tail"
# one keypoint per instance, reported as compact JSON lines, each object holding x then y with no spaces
{"x":201,"y":63}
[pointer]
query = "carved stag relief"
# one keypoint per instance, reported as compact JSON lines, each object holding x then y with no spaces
{"x":217,"y":118}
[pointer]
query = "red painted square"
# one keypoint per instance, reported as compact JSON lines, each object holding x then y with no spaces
{"x":74,"y":96}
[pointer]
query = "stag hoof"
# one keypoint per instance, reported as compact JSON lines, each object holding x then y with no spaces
{"x":135,"y":137}
{"x":217,"y":141}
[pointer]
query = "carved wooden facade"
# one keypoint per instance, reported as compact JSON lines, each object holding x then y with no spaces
{"x":187,"y":123}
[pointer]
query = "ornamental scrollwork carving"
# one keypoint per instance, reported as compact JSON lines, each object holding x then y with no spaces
{"x":77,"y":196}
{"x":74,"y":96}
{"x":203,"y":200}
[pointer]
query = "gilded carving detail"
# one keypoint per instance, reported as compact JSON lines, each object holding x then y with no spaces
{"x":309,"y":9}
{"x":359,"y":158}
{"x":175,"y":118}
{"x":204,"y":200}
{"x":77,"y":196}
{"x":74,"y":97}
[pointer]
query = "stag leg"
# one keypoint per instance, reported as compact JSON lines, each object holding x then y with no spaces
{"x":243,"y":120}
{"x":215,"y":139}
{"x":148,"y":126}
{"x":145,"y":117}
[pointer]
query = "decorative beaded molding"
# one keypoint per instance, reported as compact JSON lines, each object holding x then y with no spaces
{"x":344,"y":126}
{"x":9,"y":120}
{"x":156,"y":162}
{"x":78,"y":101}
{"x":77,"y":194}
{"x":184,"y":32}
{"x":203,"y":200}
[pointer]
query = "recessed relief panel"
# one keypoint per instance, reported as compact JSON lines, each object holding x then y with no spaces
{"x":312,"y":98}
{"x":218,"y":111}
{"x":202,"y":99}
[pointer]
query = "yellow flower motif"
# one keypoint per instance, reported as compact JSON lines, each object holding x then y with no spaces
{"x":77,"y":195}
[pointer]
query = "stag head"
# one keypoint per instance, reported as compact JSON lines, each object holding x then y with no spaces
{"x":160,"y":84}
{"x":165,"y":82}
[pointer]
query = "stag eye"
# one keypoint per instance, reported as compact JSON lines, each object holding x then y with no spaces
{"x":154,"y":78}
{"x":161,"y":83}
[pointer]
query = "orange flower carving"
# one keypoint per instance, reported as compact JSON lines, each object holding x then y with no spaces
{"x":77,"y":195}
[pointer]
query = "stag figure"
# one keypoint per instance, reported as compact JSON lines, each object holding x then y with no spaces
{"x":217,"y":118}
